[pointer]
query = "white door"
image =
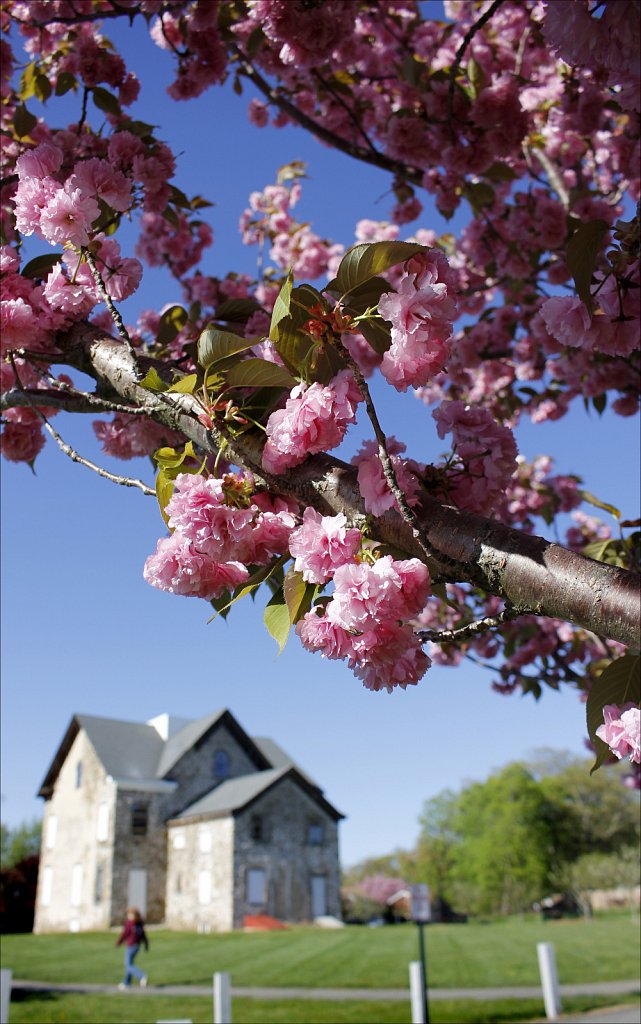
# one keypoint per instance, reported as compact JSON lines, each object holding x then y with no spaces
{"x":137,"y":889}
{"x":319,"y":895}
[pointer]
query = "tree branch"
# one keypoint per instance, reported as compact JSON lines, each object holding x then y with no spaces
{"x":526,"y":571}
{"x":367,"y":155}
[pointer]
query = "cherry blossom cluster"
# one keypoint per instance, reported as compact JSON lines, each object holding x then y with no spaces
{"x":313,"y":420}
{"x":365,"y":623}
{"x":292,"y":244}
{"x":219,"y":526}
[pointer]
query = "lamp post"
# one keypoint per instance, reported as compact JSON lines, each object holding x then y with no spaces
{"x":422,"y":914}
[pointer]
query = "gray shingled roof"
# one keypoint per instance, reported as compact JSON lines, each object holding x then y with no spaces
{"x":127,"y":750}
{"x":183,"y":740}
{"x":279,"y":757}
{"x":232,"y":795}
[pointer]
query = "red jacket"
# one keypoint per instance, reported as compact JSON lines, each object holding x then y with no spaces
{"x":133,"y":934}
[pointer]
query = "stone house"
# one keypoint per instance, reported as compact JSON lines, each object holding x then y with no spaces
{"x":194,"y":822}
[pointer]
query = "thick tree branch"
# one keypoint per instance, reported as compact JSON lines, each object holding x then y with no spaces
{"x":528,"y":572}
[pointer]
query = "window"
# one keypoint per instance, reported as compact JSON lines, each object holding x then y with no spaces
{"x":139,"y":819}
{"x":79,"y":775}
{"x":52,"y":828}
{"x":178,"y":884}
{"x":315,"y":834}
{"x":178,"y":841}
{"x":99,"y":884}
{"x":102,"y":828}
{"x":76,"y":885}
{"x":221,"y":765}
{"x":257,"y":829}
{"x":204,"y":839}
{"x":204,"y":887}
{"x":256,"y":888}
{"x":47,"y":886}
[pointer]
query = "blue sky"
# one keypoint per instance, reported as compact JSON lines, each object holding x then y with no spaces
{"x":82,"y":631}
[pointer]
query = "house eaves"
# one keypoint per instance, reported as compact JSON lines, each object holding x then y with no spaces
{"x":126,"y":750}
{"x":236,"y":795}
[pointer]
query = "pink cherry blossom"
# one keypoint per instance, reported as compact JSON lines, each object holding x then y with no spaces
{"x":68,"y":216}
{"x":178,"y":567}
{"x":388,"y":655}
{"x":322,"y":544}
{"x":421,"y":313}
{"x":314,"y":419}
{"x":21,"y":442}
{"x":365,"y":594}
{"x":375,"y":490}
{"x":621,"y":730}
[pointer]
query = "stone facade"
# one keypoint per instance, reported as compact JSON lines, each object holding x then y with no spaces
{"x":198,"y":829}
{"x":74,"y":878}
{"x":287,"y":836}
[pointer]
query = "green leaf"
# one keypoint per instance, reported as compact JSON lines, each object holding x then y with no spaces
{"x":215,"y":345}
{"x":28,"y":81}
{"x":39,"y":267}
{"x":261,"y":575}
{"x":475,"y":76}
{"x":170,"y":458}
{"x":23,"y":121}
{"x":619,"y":683}
{"x":298,"y":594}
{"x":366,"y":260}
{"x":42,"y":88}
{"x":581,"y":255}
{"x":171,"y":322}
{"x":237,"y":310}
{"x":281,"y":306}
{"x":164,"y":491}
{"x":185,"y":385}
{"x":600,"y":504}
{"x":105,"y":100}
{"x":479,"y":195}
{"x":376,"y":331}
{"x":612,"y":552}
{"x":302,"y":355}
{"x":260,"y":373}
{"x":153,"y":382}
{"x":65,"y":81}
{"x":277,"y":619}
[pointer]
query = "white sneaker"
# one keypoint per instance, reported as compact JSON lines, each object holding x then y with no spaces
{"x":144,"y":982}
{"x":123,"y":987}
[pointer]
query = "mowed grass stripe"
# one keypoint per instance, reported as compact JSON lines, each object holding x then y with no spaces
{"x":459,"y":956}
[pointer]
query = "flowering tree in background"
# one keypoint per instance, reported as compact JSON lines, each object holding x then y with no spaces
{"x":527,"y":113}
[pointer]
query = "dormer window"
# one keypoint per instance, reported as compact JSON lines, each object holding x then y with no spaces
{"x":315,"y":834}
{"x":221,"y":765}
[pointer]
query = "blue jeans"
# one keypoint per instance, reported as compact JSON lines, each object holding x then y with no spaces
{"x":131,"y":952}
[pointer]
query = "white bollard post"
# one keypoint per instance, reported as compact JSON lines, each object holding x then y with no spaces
{"x":5,"y":995}
{"x":222,"y":998}
{"x":549,"y":979}
{"x":416,"y":992}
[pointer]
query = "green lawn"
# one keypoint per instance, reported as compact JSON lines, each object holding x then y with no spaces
{"x":128,"y":1009}
{"x":466,"y":955}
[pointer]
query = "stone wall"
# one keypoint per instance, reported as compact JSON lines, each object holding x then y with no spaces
{"x":200,"y":875}
{"x":139,"y":852}
{"x":194,"y":772}
{"x":289,"y":860}
{"x":71,"y":894}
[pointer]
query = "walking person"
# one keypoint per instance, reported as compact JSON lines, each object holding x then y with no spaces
{"x":133,"y":935}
